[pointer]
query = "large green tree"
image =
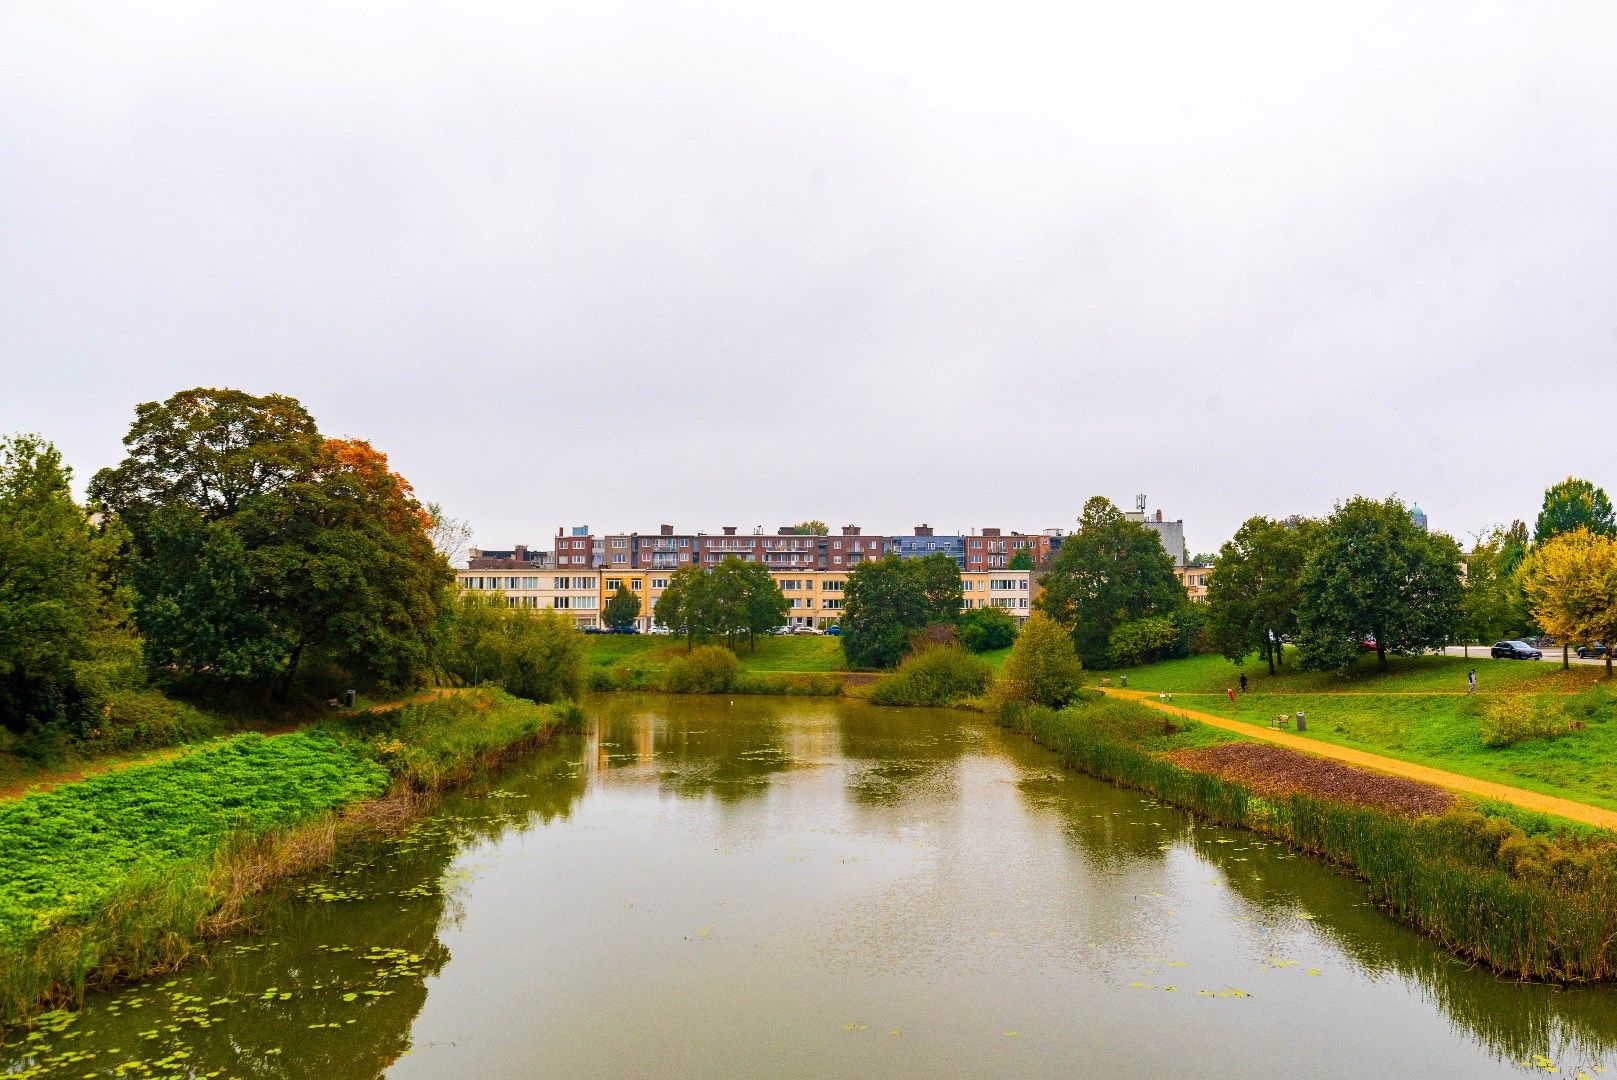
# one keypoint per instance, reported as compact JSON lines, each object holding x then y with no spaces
{"x":746,"y":601}
{"x":622,"y":608}
{"x":55,"y":593}
{"x":260,"y":546}
{"x":884,"y":604}
{"x":1573,"y":503}
{"x":1375,"y":575}
{"x":1109,"y":572}
{"x":1256,"y":588}
{"x":685,"y":605}
{"x":938,"y":576}
{"x":538,"y":655}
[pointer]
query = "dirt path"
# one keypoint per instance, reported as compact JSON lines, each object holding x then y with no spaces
{"x":1487,"y":789}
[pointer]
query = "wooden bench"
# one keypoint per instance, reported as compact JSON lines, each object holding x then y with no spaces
{"x":1283,"y":720}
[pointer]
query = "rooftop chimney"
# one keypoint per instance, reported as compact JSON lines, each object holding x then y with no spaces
{"x":990,"y":532}
{"x":923,"y":530}
{"x":666,"y":530}
{"x":1159,"y":515}
{"x":729,"y":530}
{"x":521,"y":552}
{"x":850,"y":530}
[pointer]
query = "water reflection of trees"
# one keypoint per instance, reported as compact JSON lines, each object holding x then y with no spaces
{"x":696,"y":746}
{"x":895,"y":755}
{"x":1114,"y":828}
{"x":394,"y":896}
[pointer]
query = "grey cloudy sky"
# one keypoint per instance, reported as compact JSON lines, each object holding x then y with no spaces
{"x":632,"y":263}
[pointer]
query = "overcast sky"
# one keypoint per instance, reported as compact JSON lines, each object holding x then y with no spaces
{"x":621,"y":264}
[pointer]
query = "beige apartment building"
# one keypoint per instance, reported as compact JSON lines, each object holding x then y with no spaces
{"x":577,"y":592}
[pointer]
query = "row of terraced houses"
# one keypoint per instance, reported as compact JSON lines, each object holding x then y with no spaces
{"x":584,"y":569}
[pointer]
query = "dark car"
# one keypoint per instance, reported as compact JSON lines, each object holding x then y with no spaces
{"x":1514,"y":650}
{"x":1591,"y":652}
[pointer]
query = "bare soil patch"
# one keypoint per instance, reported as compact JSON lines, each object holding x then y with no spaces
{"x":1274,"y":770}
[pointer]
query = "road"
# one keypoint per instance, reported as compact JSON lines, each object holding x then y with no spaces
{"x":1551,"y":654}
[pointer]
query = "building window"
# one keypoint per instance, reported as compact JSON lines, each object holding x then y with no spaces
{"x":659,"y":583}
{"x":619,"y":542}
{"x":612,"y":583}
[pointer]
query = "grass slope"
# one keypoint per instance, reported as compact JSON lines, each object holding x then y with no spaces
{"x":806,"y":652}
{"x":1416,"y":711}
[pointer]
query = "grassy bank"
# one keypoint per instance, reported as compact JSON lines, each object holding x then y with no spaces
{"x":128,"y":873}
{"x":796,"y":665}
{"x":1528,"y":899}
{"x":1418,"y":711}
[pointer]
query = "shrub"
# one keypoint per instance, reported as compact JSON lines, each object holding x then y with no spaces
{"x":1512,"y":718}
{"x":985,"y":628}
{"x":706,"y":669}
{"x":1043,"y":668}
{"x":941,"y":675}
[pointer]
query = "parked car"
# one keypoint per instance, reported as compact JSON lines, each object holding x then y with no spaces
{"x":1369,"y":643}
{"x":1540,"y":642}
{"x":806,"y":630}
{"x":781,"y":631}
{"x":596,"y":630}
{"x":1591,"y":652}
{"x":659,"y":630}
{"x":834,"y":630}
{"x":1514,"y":650}
{"x":623,"y":630}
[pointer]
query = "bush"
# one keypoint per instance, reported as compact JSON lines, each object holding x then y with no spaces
{"x":1043,"y":668}
{"x":706,"y":669}
{"x":941,"y":675}
{"x":1512,"y":718}
{"x":985,"y":628}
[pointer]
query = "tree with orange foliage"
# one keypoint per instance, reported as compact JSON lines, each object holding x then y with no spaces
{"x":263,"y":550}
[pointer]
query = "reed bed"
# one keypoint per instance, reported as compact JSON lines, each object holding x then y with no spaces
{"x":1529,"y":906}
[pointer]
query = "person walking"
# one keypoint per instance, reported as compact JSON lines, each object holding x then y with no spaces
{"x":1243,"y":682}
{"x":1471,"y":678}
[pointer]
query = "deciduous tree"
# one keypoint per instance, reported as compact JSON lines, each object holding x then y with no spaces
{"x":1256,"y":588}
{"x":884,"y":604}
{"x":685,"y":606}
{"x":1376,"y":575}
{"x":1571,"y":504}
{"x":1571,"y":585}
{"x":1110,"y":571}
{"x":1043,"y":668}
{"x":622,"y":608}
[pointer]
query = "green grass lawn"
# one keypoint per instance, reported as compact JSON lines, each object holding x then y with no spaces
{"x":805,"y":652}
{"x":1417,"y":711}
{"x":1404,"y":675}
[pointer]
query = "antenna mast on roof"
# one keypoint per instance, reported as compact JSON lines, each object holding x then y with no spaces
{"x":1139,"y":503}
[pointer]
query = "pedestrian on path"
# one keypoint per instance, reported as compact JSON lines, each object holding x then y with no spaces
{"x":1230,"y":690}
{"x":1472,"y":679}
{"x":1243,"y":682}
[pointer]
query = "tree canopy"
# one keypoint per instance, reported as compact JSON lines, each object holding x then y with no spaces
{"x":1377,"y":577}
{"x":884,"y":604}
{"x":1109,"y":572}
{"x":811,"y":528}
{"x":1571,"y":584}
{"x":55,"y":594}
{"x":1573,"y":503}
{"x":1043,"y":668}
{"x":1492,"y":604}
{"x":259,"y":545}
{"x":735,"y":599}
{"x":622,"y":608}
{"x":1256,"y":588}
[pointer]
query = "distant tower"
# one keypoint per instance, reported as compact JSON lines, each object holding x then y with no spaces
{"x":1418,"y":516}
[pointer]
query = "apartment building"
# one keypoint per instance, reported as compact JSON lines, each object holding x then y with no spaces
{"x":925,"y":542}
{"x":1012,"y":590}
{"x":994,"y":550}
{"x":1170,"y":533}
{"x":518,"y":558}
{"x":1193,"y":579}
{"x":815,"y":596}
{"x":578,"y":593}
{"x":784,"y":550}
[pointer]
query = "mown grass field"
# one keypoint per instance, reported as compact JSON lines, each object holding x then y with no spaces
{"x":1418,"y":711}
{"x":648,"y":652}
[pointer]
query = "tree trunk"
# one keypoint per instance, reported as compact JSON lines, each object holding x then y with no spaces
{"x":1466,"y":645}
{"x":1381,"y":653}
{"x":1269,"y":650}
{"x":1566,"y":656}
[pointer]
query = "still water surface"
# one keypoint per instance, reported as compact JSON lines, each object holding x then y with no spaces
{"x":701,"y":887}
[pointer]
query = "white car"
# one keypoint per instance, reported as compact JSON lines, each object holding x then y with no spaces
{"x":807,"y":630}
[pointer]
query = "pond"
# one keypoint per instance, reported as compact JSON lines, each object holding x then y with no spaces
{"x":749,"y":887}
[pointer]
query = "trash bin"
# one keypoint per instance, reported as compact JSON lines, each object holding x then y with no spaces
{"x":348,"y":698}
{"x":1302,"y":722}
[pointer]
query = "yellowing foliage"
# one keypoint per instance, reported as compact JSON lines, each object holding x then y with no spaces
{"x":1571,"y":586}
